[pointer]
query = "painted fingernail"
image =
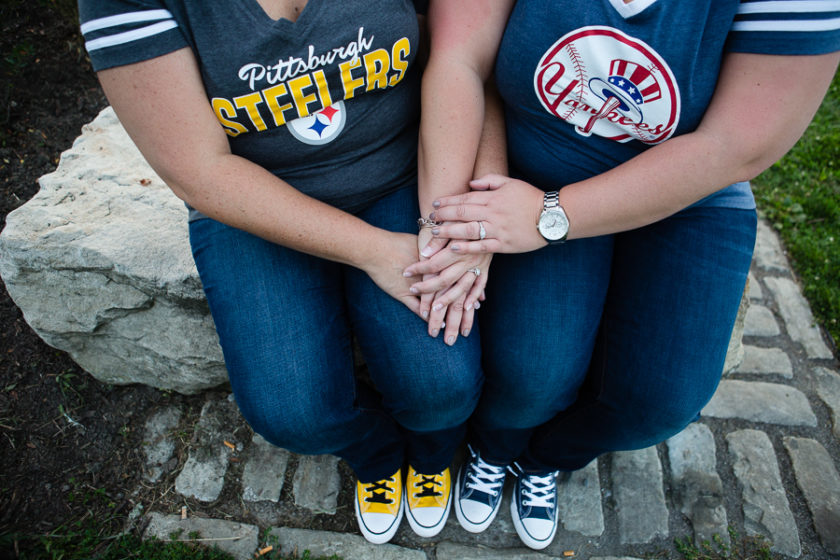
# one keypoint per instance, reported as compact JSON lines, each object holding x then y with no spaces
{"x":432,"y":215}
{"x":443,"y":324}
{"x":436,"y":204}
{"x":451,"y":340}
{"x":407,"y":274}
{"x":435,"y":333}
{"x":426,"y":252}
{"x":477,"y":305}
{"x":425,"y":314}
{"x":466,"y":332}
{"x":414,"y":290}
{"x":438,"y":306}
{"x":455,"y":247}
{"x":468,"y":307}
{"x":435,"y":231}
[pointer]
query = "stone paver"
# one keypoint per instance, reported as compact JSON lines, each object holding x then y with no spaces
{"x":757,"y":401}
{"x":798,"y":318}
{"x":755,"y":292}
{"x":637,"y":486}
{"x":698,"y":489}
{"x":765,"y":504}
{"x":818,"y":479}
{"x":768,"y":253}
{"x":316,"y":483}
{"x":579,"y":502}
{"x":767,"y":361}
{"x":343,"y":545}
{"x":452,"y":551}
{"x":158,"y":442}
{"x":760,"y":322}
{"x":828,"y":389}
{"x":265,"y":470}
{"x":203,"y":475}
{"x":240,"y":540}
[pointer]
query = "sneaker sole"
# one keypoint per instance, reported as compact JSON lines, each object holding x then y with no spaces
{"x":424,"y":530}
{"x":379,"y":538}
{"x":466,"y":523}
{"x":524,"y":536}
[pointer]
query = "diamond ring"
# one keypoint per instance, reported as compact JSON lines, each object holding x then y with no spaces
{"x":476,"y":271}
{"x":482,"y":233}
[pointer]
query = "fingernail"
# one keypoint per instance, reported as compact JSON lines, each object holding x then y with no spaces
{"x":477,"y":305}
{"x":432,"y":215}
{"x":466,"y":332}
{"x":435,"y":231}
{"x":414,"y":290}
{"x":435,"y":333}
{"x":468,"y":307}
{"x":407,"y":274}
{"x":443,"y":324}
{"x":455,"y":247}
{"x":436,"y":204}
{"x":425,"y":314}
{"x":426,"y":252}
{"x":451,"y":340}
{"x":438,"y":306}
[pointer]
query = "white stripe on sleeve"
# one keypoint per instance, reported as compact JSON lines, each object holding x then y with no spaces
{"x":790,"y":6}
{"x":121,"y":19}
{"x":788,"y":25}
{"x":128,"y":36}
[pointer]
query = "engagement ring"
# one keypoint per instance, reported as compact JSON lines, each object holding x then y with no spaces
{"x":476,"y":270}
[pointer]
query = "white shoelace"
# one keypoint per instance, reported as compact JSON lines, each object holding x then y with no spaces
{"x":485,"y":477}
{"x":539,"y":491}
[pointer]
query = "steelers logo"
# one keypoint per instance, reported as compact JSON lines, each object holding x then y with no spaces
{"x":322,"y":127}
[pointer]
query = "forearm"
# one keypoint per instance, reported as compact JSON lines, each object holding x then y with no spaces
{"x":492,"y":147}
{"x":243,"y":195}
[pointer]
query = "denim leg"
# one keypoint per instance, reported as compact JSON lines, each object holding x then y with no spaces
{"x":282,"y":323}
{"x":674,"y":295}
{"x":428,"y":387}
{"x":538,"y":328}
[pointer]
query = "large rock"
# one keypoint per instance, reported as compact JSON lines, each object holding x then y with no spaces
{"x":99,"y":262}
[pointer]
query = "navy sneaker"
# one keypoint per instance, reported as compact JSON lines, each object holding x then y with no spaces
{"x":533,"y":507}
{"x":478,"y":493}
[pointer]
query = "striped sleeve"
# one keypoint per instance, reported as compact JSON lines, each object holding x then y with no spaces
{"x":119,"y":32}
{"x":786,"y":27}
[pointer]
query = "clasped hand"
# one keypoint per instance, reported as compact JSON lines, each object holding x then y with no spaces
{"x":499,"y":215}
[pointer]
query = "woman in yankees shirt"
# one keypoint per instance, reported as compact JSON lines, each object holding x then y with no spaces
{"x":624,"y":232}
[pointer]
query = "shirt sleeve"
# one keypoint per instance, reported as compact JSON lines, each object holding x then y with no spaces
{"x":786,"y":27}
{"x":119,"y":32}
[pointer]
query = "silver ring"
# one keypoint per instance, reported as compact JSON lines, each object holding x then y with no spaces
{"x":482,"y":233}
{"x":476,"y":271}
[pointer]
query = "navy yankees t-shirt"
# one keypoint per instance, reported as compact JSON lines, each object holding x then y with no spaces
{"x":589,"y":84}
{"x":329,"y":103}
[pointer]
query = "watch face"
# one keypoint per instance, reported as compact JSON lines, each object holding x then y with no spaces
{"x":553,"y":225}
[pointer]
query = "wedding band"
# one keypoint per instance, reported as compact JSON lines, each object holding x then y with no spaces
{"x":476,"y":271}
{"x":482,"y":233}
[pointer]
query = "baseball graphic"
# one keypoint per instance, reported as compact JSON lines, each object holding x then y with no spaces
{"x":609,"y":84}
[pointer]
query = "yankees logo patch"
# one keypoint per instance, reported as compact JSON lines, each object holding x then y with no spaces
{"x":321,"y":127}
{"x":607,"y":83}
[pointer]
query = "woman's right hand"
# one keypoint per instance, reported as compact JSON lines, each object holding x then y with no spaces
{"x":385,"y":267}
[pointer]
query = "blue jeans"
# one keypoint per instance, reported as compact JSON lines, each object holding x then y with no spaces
{"x":609,"y":343}
{"x":286,"y":320}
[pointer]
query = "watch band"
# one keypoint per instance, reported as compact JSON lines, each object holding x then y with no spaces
{"x":551,"y":200}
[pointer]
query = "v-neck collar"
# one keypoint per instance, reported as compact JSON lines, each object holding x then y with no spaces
{"x":629,"y":10}
{"x":303,"y":22}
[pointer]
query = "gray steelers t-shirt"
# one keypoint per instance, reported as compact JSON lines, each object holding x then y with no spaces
{"x":329,"y":103}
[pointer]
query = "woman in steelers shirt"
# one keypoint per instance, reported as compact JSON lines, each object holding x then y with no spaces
{"x":289,"y":127}
{"x":624,"y":233}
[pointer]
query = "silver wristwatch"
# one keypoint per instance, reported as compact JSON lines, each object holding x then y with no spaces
{"x":553,"y":224}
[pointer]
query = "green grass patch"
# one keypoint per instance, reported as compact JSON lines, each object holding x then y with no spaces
{"x":800,"y":197}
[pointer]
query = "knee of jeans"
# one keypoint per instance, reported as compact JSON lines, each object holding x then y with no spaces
{"x":303,"y":430}
{"x":430,"y":411}
{"x":654,"y":421}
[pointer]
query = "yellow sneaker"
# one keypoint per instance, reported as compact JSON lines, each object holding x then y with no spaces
{"x":379,"y":508}
{"x":429,"y":498}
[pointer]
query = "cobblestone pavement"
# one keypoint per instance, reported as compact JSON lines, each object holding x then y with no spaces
{"x":762,"y":460}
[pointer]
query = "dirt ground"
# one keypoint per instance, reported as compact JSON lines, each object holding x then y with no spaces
{"x":66,"y":453}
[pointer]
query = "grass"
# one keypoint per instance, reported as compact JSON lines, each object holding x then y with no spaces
{"x":800,"y":197}
{"x":739,"y":548}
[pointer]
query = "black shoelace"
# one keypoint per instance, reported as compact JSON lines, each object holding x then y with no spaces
{"x":379,"y":491}
{"x":428,"y":484}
